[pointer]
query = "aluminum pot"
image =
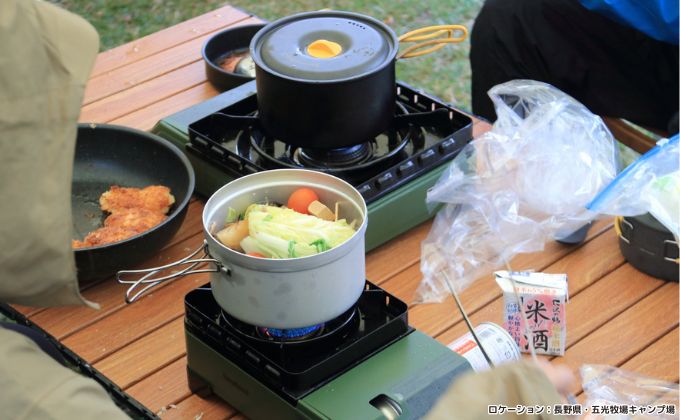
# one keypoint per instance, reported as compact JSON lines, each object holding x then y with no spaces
{"x":326,"y":79}
{"x":274,"y":293}
{"x":287,"y":293}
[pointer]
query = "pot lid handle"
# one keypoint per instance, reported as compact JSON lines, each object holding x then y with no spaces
{"x":323,"y":48}
{"x":148,"y":281}
{"x":434,"y":37}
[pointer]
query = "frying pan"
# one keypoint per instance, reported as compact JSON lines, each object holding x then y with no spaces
{"x":114,"y":155}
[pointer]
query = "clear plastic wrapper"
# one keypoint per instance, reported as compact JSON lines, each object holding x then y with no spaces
{"x":613,"y":393}
{"x":650,"y":185}
{"x":523,"y":182}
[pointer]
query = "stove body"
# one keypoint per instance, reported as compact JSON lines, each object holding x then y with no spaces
{"x":366,"y":364}
{"x":394,"y":179}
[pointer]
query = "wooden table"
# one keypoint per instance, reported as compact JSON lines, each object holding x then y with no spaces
{"x":617,"y":315}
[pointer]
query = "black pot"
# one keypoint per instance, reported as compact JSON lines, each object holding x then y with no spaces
{"x":325,"y":103}
{"x":648,"y":246}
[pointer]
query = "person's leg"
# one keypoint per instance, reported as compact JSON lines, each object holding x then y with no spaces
{"x":614,"y":70}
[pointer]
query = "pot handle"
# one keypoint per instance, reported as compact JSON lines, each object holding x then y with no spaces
{"x":434,"y":37}
{"x":148,"y":281}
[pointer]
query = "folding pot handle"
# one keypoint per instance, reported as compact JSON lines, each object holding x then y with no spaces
{"x":434,"y":37}
{"x":149,"y":281}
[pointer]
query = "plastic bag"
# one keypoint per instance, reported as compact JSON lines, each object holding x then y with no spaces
{"x":526,"y":180}
{"x":650,"y":185}
{"x":607,"y":386}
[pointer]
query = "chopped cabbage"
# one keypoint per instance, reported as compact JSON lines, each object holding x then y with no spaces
{"x":284,"y":233}
{"x":274,"y":247}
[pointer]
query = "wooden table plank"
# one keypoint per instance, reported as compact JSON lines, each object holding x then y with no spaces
{"x":146,"y":118}
{"x":132,"y":322}
{"x":166,"y":38}
{"x":399,"y":253}
{"x":195,"y":407}
{"x":167,"y":386}
{"x":659,"y":360}
{"x":170,"y":64}
{"x":145,"y":93}
{"x":629,"y":333}
{"x":147,"y":81}
{"x":170,"y":386}
{"x":133,"y":363}
{"x":63,"y":322}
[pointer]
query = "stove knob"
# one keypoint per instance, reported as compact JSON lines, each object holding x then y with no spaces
{"x":406,"y":168}
{"x":272,"y":371}
{"x":427,"y":157}
{"x":253,"y":357}
{"x":233,"y":343}
{"x":447,"y":146}
{"x":364,"y":189}
{"x":385,"y":180}
{"x":199,"y":141}
{"x":387,"y":406}
{"x":218,"y":151}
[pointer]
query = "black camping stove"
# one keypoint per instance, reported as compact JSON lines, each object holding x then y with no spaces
{"x":424,"y":134}
{"x":367,"y":363}
{"x":392,"y":171}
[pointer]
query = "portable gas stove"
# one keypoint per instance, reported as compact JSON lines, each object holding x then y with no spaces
{"x":392,"y":171}
{"x":366,"y":364}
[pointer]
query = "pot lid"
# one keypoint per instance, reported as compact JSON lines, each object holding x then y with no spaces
{"x":324,"y":46}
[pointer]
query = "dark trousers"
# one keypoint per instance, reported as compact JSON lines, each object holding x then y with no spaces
{"x":612,"y":69}
{"x":39,"y":339}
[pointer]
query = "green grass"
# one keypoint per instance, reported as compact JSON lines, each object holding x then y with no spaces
{"x":445,"y":73}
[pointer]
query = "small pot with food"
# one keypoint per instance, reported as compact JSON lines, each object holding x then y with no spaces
{"x":227,"y":57}
{"x":286,"y":248}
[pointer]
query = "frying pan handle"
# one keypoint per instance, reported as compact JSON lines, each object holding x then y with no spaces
{"x":148,"y":280}
{"x":433,"y":37}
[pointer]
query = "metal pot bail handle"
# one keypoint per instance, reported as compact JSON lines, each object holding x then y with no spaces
{"x":148,"y":281}
{"x":434,"y":37}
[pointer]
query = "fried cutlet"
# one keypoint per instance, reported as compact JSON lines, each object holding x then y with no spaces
{"x":75,"y":244}
{"x":136,"y":219}
{"x":154,"y":197}
{"x":133,"y":211}
{"x":106,"y":235}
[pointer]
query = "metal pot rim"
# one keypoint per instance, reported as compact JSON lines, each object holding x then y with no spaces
{"x":283,"y":264}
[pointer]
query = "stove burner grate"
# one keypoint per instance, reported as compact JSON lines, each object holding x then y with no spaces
{"x":374,"y":155}
{"x":295,"y":368}
{"x":294,"y":336}
{"x":426,"y":133}
{"x":335,"y":158}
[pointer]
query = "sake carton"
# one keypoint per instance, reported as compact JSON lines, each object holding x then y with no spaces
{"x":542,"y":298}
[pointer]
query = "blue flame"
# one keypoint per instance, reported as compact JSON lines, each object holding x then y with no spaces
{"x":292,"y":332}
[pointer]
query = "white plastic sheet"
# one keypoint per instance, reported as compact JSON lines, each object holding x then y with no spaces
{"x":523,"y":182}
{"x":624,"y":394}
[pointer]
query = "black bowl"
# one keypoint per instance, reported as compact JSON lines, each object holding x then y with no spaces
{"x":221,"y":44}
{"x":114,"y":155}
